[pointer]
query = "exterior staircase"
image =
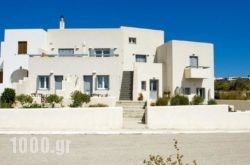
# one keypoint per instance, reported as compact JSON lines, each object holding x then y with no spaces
{"x":133,"y":114}
{"x":126,"y":92}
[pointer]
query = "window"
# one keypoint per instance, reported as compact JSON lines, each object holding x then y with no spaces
{"x":193,"y":61}
{"x":1,"y":76}
{"x":132,"y":40}
{"x":101,"y":52}
{"x":143,"y":85}
{"x":43,"y":82}
{"x":103,"y":82}
{"x":58,"y":82}
{"x":201,"y":92}
{"x":140,"y":58}
{"x":66,"y":52}
{"x":22,"y":47}
{"x":186,"y":91}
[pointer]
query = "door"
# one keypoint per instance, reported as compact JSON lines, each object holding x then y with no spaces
{"x":154,"y":89}
{"x":87,"y":85}
{"x":201,"y":92}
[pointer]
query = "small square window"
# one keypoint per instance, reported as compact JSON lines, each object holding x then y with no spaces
{"x":143,"y":85}
{"x":58,"y":82}
{"x":66,"y":52}
{"x":186,"y":91}
{"x":132,"y":40}
{"x":140,"y":58}
{"x":22,"y":47}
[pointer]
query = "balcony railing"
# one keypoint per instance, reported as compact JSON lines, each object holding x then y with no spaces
{"x":74,"y":55}
{"x":201,"y":72}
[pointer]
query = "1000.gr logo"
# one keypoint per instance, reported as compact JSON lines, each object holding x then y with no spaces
{"x":62,"y":146}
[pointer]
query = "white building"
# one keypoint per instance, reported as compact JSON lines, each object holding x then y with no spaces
{"x":188,"y":68}
{"x":118,"y":62}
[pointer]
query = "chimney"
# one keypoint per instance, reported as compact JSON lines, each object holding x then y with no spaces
{"x":62,"y":24}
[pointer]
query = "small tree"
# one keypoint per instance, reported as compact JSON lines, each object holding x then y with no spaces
{"x":25,"y":100}
{"x":212,"y":102}
{"x":197,"y":100}
{"x":52,"y":99}
{"x":162,"y":101}
{"x":8,"y":98}
{"x":179,"y":100}
{"x":79,"y":98}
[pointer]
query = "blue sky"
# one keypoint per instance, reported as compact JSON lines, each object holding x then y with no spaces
{"x":226,"y":24}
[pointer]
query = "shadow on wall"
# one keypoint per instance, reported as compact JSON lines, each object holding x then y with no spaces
{"x":18,"y":75}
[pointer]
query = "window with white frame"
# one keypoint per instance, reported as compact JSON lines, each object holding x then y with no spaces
{"x":58,"y":82}
{"x":140,"y":58}
{"x":66,"y":52}
{"x":102,"y":52}
{"x":132,"y":40}
{"x":102,"y":82}
{"x":194,"y":61}
{"x":43,"y":82}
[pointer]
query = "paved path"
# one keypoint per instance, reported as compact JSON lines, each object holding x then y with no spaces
{"x":206,"y":149}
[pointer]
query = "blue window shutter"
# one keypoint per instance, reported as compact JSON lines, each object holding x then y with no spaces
{"x":91,"y":52}
{"x":112,"y":51}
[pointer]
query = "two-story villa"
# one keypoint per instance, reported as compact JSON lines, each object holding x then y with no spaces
{"x":119,"y":62}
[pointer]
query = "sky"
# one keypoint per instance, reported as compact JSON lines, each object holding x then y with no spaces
{"x":226,"y":24}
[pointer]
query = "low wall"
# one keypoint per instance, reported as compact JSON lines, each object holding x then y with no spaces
{"x":110,"y":101}
{"x":61,"y":119}
{"x":199,"y":117}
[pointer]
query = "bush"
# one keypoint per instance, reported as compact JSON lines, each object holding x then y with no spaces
{"x":179,"y":100}
{"x":152,"y":104}
{"x":232,"y":95}
{"x":34,"y":105}
{"x":98,"y":105}
{"x":197,"y":100}
{"x":173,"y":159}
{"x":79,"y":98}
{"x":212,"y":102}
{"x":162,"y":101}
{"x":52,"y":99}
{"x":24,"y":99}
{"x":8,"y":98}
{"x":140,"y":97}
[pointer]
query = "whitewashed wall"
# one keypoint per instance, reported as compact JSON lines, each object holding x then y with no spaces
{"x":146,"y":72}
{"x":61,"y":119}
{"x":175,"y":58}
{"x":200,"y":117}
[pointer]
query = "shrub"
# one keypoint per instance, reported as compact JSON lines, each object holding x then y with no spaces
{"x":79,"y":98}
{"x":212,"y":102}
{"x":24,"y":99}
{"x":179,"y":100}
{"x":152,"y":104}
{"x":98,"y":105}
{"x":52,"y":99}
{"x":8,"y":98}
{"x":162,"y":101}
{"x":197,"y":100}
{"x":140,"y":97}
{"x":34,"y":105}
{"x":173,"y":159}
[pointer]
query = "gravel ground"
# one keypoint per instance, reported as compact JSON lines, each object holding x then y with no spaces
{"x":206,"y":149}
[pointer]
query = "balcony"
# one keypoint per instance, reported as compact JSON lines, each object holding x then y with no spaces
{"x":73,"y":55}
{"x":200,"y":72}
